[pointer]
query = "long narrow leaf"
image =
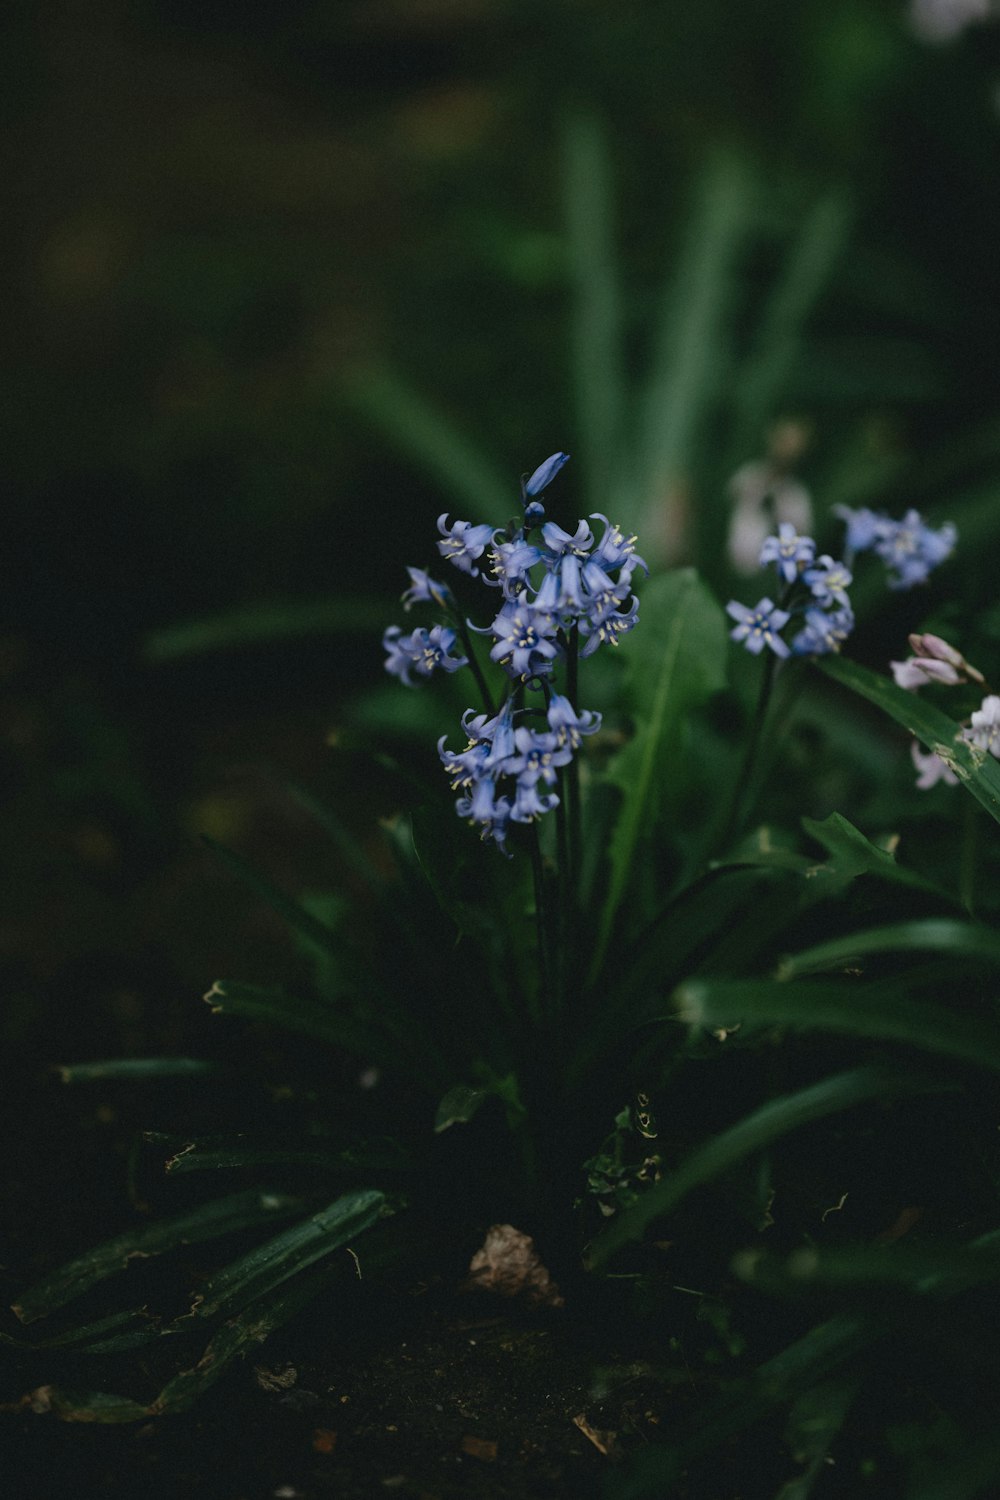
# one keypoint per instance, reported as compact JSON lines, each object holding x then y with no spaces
{"x":850,"y":1009}
{"x":263,"y":623}
{"x":222,"y":1216}
{"x":679,"y":663}
{"x":752,"y":1134}
{"x":935,"y":934}
{"x":269,"y":1265}
{"x":424,"y":434}
{"x":595,"y":315}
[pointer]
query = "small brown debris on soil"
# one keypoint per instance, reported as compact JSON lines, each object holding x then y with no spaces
{"x":482,"y":1448}
{"x":324,"y":1440}
{"x":508,"y":1264}
{"x":276,"y":1380}
{"x":602,"y":1440}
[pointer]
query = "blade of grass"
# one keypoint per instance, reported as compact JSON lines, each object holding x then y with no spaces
{"x":263,"y":623}
{"x":748,"y":1136}
{"x":267,"y":1266}
{"x":597,"y":357}
{"x":424,"y":434}
{"x":936,"y":934}
{"x":222,"y":1216}
{"x":871,"y":1010}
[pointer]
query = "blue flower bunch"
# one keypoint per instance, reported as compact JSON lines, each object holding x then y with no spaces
{"x":814,"y":592}
{"x":563,"y":596}
{"x":909,"y":548}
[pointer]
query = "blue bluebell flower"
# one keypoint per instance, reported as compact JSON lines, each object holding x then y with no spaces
{"x":422,"y":651}
{"x":758,"y":627}
{"x":567,"y":725}
{"x":788,"y":551}
{"x":824,"y":633}
{"x":615,"y":549}
{"x":424,"y":590}
{"x":910,"y":548}
{"x":529,"y":803}
{"x":463,"y":543}
{"x":525,"y":638}
{"x":511,"y":562}
{"x":489,"y":812}
{"x":606,"y":624}
{"x":544,"y":474}
{"x":864,"y":527}
{"x":539,"y":756}
{"x":829,"y":581}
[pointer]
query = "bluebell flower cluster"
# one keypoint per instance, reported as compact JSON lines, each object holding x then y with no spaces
{"x":814,"y":596}
{"x":909,"y":548}
{"x":507,"y":770}
{"x":561,"y":594}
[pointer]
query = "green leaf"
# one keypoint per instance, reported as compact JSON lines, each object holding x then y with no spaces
{"x":222,"y":1216}
{"x":852,"y":854}
{"x":301,"y":922}
{"x":277,"y":1007}
{"x":938,"y":1270}
{"x":933,"y":934}
{"x":427,"y":436}
{"x":975,"y":768}
{"x":595,"y":314}
{"x":269,"y":1265}
{"x":136,"y":1067}
{"x":677,"y":662}
{"x":459,"y":1105}
{"x":872,"y":1010}
{"x":265,"y":622}
{"x":748,"y":1136}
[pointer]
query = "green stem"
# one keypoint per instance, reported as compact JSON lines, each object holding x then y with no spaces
{"x":462,"y":627}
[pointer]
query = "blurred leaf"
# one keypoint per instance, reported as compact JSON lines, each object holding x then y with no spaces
{"x":269,"y":1265}
{"x":873,"y":1010}
{"x":222,"y":1216}
{"x":653,"y":1475}
{"x":762,"y":380}
{"x":262,"y":623}
{"x":241,"y":1335}
{"x":940,"y":1270}
{"x":426,"y":436}
{"x":595,"y":314}
{"x":459,"y":1105}
{"x":136,"y":1067}
{"x":691,"y":356}
{"x":816,"y":1418}
{"x":976,"y":769}
{"x":277,"y":1007}
{"x":937,"y":934}
{"x":748,"y":1136}
{"x":306,"y":926}
{"x":677,"y":661}
{"x":852,"y":854}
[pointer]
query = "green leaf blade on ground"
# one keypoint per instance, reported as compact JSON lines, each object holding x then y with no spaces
{"x":752,"y":1134}
{"x":210,"y":1220}
{"x":267,"y":1266}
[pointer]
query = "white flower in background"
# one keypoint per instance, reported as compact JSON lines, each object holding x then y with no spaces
{"x":943,"y":20}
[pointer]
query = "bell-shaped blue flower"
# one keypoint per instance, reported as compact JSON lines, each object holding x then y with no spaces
{"x":544,"y":474}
